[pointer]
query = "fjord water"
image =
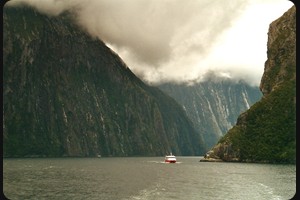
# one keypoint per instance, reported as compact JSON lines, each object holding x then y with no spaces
{"x":145,"y":178}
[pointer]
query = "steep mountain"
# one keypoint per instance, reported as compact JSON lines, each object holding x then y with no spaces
{"x":67,"y":94}
{"x":267,"y":131}
{"x":213,"y":105}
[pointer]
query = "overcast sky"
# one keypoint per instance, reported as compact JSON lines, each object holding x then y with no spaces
{"x":180,"y":40}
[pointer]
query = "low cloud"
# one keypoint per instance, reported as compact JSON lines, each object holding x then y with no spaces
{"x":161,"y":40}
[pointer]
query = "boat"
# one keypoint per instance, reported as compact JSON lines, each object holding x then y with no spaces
{"x":170,"y":158}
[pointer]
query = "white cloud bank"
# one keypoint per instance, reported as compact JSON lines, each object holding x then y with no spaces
{"x":180,"y":41}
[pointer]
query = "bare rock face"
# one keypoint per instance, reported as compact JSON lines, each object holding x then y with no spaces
{"x":67,"y":94}
{"x":213,"y":105}
{"x":267,"y":131}
{"x":281,"y":52}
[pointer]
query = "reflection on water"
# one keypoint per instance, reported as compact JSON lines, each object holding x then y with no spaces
{"x":145,"y":178}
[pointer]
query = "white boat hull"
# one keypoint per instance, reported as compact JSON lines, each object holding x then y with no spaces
{"x":170,"y":159}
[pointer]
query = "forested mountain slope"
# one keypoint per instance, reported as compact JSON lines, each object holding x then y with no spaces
{"x":67,"y":94}
{"x":267,"y":131}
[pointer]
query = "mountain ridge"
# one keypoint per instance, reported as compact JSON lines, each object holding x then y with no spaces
{"x":213,"y":106}
{"x":68,"y":94}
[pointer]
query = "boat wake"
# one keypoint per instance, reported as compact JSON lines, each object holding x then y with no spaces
{"x":148,"y":194}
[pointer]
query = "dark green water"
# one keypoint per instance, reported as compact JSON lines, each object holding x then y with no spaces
{"x":145,"y":178}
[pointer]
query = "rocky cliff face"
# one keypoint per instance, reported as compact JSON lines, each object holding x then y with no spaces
{"x":67,"y":94}
{"x":267,"y":131}
{"x":281,"y":64}
{"x":214,"y":105}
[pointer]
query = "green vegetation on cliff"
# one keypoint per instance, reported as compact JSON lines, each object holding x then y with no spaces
{"x":267,"y":131}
